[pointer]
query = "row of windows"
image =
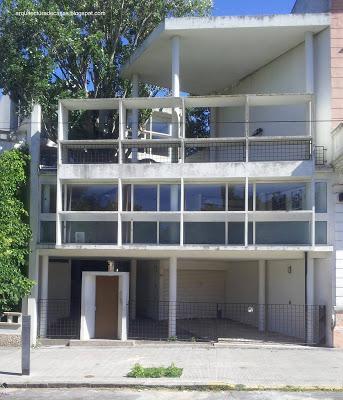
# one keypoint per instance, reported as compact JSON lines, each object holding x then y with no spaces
{"x":231,"y":233}
{"x":197,"y":197}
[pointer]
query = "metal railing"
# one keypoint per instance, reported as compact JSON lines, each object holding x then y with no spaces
{"x":197,"y":321}
{"x":151,"y":151}
{"x":320,"y":155}
{"x":90,"y":153}
{"x":204,"y":321}
{"x":280,"y":149}
{"x":59,"y":318}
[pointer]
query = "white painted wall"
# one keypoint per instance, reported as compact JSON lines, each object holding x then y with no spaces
{"x":242,"y":282}
{"x":322,"y":87}
{"x":286,"y":74}
{"x":286,"y":288}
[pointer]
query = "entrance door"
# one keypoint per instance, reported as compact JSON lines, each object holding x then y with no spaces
{"x":106,"y":311}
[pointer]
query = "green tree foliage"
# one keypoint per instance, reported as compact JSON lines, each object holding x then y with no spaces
{"x":44,"y":58}
{"x":14,"y":230}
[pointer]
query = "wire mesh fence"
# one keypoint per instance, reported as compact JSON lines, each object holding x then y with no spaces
{"x":90,"y":153}
{"x":280,"y":150}
{"x":151,"y":152}
{"x":197,"y":321}
{"x":204,"y":151}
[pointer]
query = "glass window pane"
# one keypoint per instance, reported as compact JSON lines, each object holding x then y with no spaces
{"x":204,"y":233}
{"x":281,"y":197}
{"x":321,"y":232}
{"x":321,"y":197}
{"x":92,"y":198}
{"x":126,"y":197}
{"x":169,"y":197}
{"x":169,"y":233}
{"x":204,"y":197}
{"x":145,"y":232}
{"x":48,"y":199}
{"x":145,"y":197}
{"x":236,"y":233}
{"x":90,"y":232}
{"x":236,"y":197}
{"x":287,"y":233}
{"x":48,"y":232}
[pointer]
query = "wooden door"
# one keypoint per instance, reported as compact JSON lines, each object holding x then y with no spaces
{"x":106,"y":307}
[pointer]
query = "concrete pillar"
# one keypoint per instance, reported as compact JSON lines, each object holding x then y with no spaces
{"x":309,"y":54}
{"x":310,"y":300}
{"x":34,"y":148}
{"x":262,"y":295}
{"x":33,"y":296}
{"x":175,"y":44}
{"x":134,"y":130}
{"x":172,"y":296}
{"x":44,"y":293}
{"x":133,"y":285}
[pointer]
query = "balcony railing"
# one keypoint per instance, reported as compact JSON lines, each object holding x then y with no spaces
{"x":205,"y":150}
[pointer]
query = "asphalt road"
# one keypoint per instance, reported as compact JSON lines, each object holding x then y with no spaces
{"x":121,"y":394}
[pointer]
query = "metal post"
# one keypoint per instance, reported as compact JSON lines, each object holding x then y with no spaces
{"x":25,"y":344}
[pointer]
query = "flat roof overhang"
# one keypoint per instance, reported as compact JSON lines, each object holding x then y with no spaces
{"x":217,"y":52}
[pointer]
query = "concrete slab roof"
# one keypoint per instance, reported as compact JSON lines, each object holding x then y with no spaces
{"x":216,"y":52}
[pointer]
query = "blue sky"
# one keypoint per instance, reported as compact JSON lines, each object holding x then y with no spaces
{"x":252,"y":7}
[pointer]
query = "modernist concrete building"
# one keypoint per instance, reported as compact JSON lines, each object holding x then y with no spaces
{"x":213,"y":213}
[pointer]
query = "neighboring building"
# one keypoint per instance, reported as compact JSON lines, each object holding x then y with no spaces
{"x":222,"y":217}
{"x":10,"y":135}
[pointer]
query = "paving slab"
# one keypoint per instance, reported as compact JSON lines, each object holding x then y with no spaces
{"x":211,"y":365}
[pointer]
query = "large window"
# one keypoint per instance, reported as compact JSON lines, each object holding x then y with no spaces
{"x":204,"y":197}
{"x":285,"y":233}
{"x":91,"y":198}
{"x":169,"y":198}
{"x":281,"y":197}
{"x":236,"y":197}
{"x":101,"y":232}
{"x":145,"y":198}
{"x":164,"y":197}
{"x":204,"y":233}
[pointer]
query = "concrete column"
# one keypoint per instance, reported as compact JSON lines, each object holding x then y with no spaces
{"x":172,"y":296}
{"x":33,"y":296}
{"x":175,"y":44}
{"x":309,"y":54}
{"x":310,"y":300}
{"x":34,"y":148}
{"x":134,"y":130}
{"x":262,"y":295}
{"x":44,"y":294}
{"x":133,"y":285}
{"x":175,"y":48}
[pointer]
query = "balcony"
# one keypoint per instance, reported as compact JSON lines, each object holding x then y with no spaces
{"x":217,"y":129}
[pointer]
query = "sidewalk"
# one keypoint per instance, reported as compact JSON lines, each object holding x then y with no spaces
{"x":203,"y":365}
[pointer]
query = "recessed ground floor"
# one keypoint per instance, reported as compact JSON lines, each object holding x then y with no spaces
{"x":276,"y":300}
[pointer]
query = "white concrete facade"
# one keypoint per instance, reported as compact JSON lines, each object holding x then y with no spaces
{"x":285,"y":94}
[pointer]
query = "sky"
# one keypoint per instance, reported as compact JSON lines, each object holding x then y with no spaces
{"x":252,"y":7}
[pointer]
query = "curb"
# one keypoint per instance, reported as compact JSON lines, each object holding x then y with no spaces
{"x":215,"y":387}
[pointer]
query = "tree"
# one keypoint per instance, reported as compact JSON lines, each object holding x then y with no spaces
{"x":45,"y":58}
{"x":14,"y":230}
